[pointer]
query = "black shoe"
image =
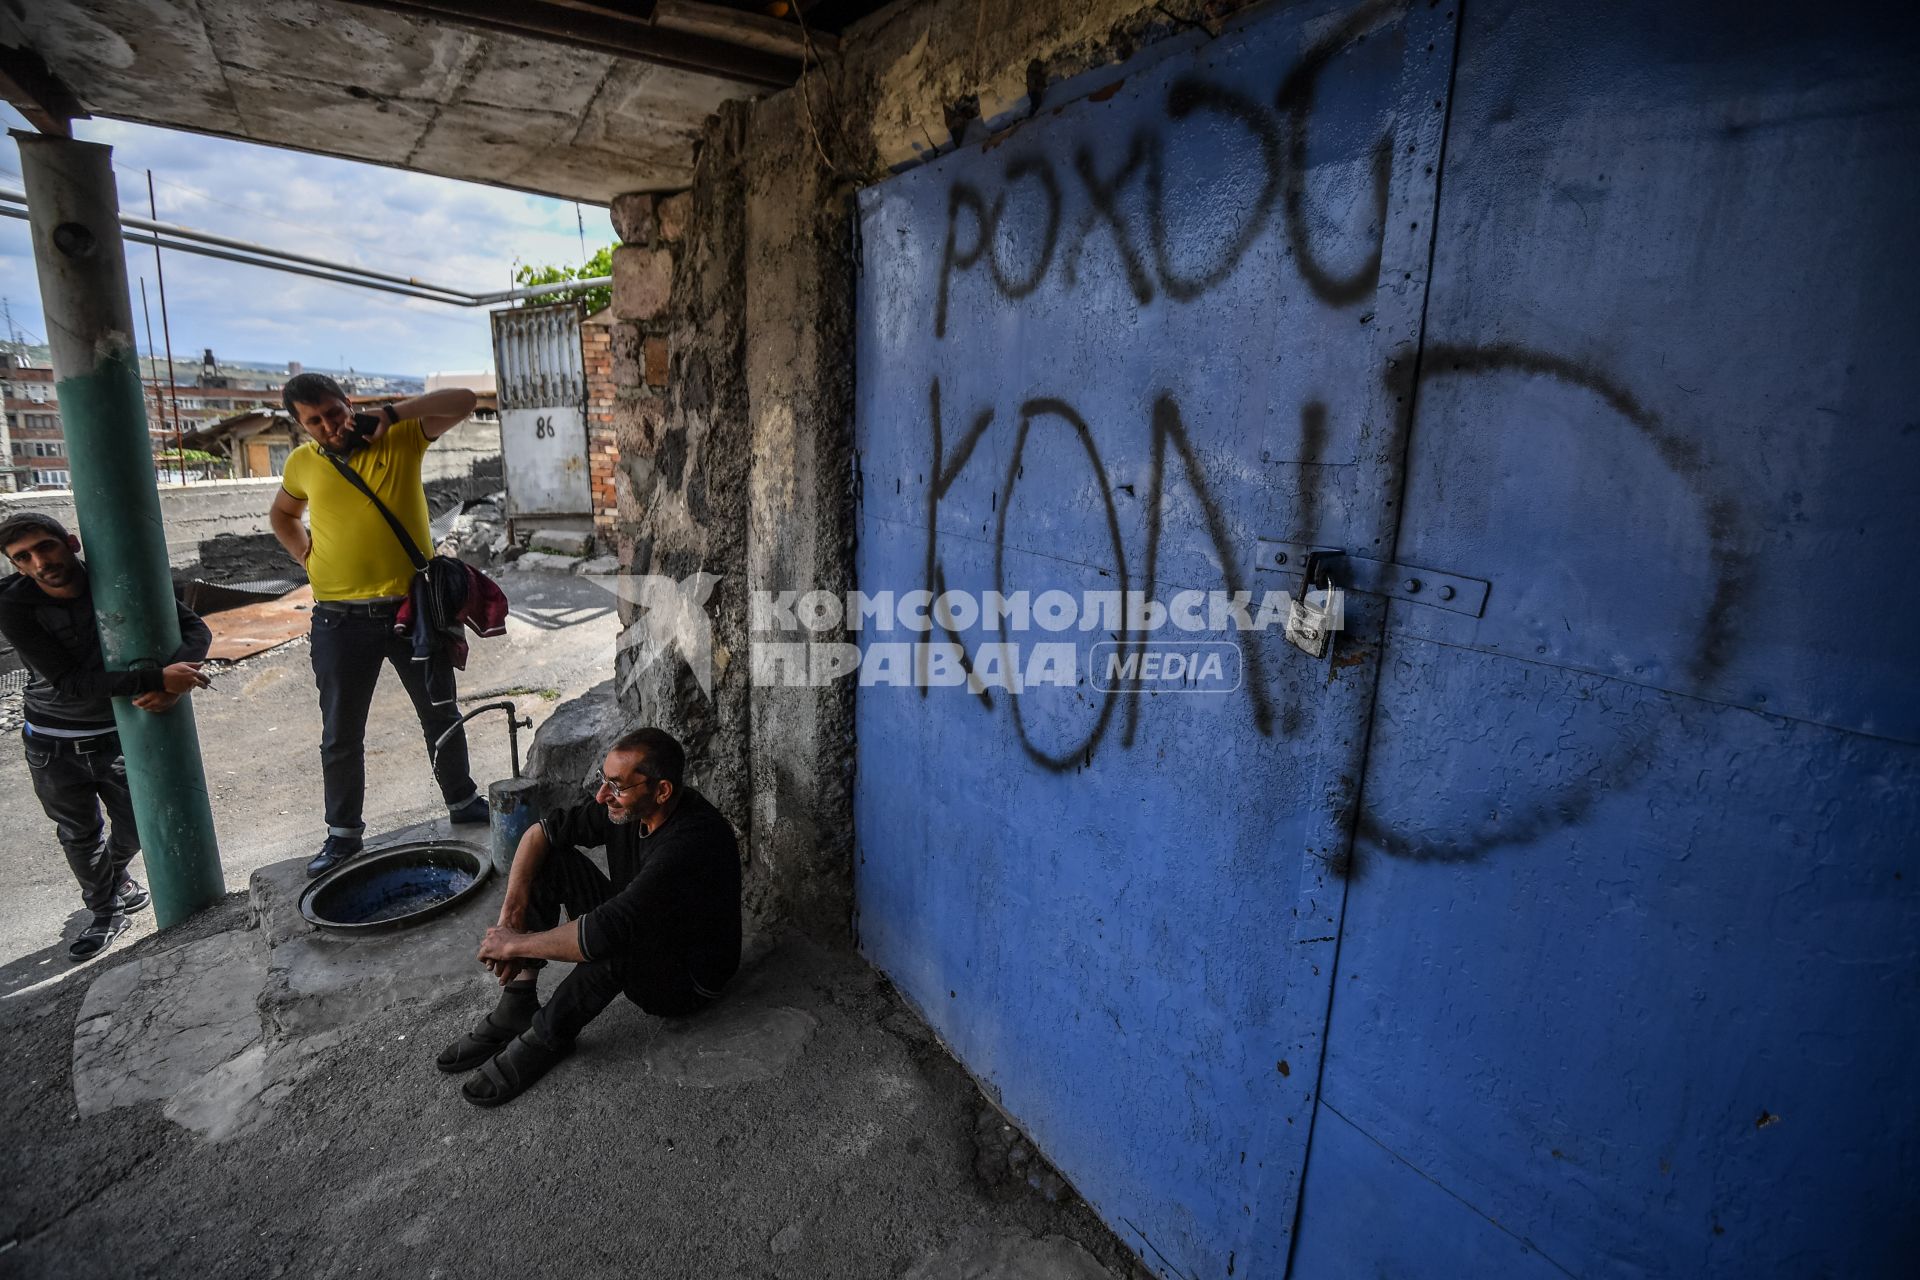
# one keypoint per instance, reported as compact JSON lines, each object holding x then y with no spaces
{"x":336,"y":850}
{"x":94,"y":938}
{"x":132,"y":896}
{"x":474,"y":810}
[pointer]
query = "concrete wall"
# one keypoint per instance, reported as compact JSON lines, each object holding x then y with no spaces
{"x":192,"y":514}
{"x":462,"y":464}
{"x":799,"y":374}
{"x":465,"y":461}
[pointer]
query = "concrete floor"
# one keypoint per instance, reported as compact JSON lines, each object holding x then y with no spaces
{"x":241,"y":1095}
{"x":260,"y":738}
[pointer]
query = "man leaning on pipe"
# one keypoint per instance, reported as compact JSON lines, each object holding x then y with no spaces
{"x":73,"y":749}
{"x":360,"y":572}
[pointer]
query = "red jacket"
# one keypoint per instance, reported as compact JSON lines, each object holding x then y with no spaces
{"x":482,"y":609}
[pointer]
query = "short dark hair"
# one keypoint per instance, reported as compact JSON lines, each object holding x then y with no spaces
{"x":661,"y":755}
{"x":18,"y":526}
{"x":309,"y":388}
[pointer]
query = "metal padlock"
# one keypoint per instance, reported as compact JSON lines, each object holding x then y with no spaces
{"x":1311,"y":622}
{"x":1307,"y":628}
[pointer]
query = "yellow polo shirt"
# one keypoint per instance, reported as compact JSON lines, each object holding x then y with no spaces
{"x":355,"y":554}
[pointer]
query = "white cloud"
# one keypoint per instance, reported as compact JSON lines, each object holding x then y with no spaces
{"x":451,"y":233}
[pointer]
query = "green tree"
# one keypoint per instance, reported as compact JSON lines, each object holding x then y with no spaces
{"x":597,"y":297}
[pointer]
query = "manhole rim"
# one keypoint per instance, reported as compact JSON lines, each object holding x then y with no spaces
{"x":483,"y":870}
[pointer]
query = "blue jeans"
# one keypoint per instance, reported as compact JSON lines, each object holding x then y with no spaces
{"x":349,"y":646}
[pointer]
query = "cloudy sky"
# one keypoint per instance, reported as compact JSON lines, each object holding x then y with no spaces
{"x":451,"y":233}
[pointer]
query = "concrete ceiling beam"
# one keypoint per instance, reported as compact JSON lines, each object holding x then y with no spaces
{"x":604,"y":31}
{"x":37,"y":93}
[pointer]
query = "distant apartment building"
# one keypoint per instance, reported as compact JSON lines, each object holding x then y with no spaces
{"x":34,"y":440}
{"x":36,"y":446}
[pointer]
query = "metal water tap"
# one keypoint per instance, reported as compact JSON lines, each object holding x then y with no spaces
{"x":514,"y":725}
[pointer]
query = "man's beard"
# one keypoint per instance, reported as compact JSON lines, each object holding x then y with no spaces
{"x":621,"y":819}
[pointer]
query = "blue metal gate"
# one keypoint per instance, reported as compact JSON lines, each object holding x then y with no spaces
{"x":1559,"y":931}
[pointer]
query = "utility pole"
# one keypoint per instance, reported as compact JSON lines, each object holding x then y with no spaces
{"x":166,"y":333}
{"x":82,"y":265}
{"x":9,"y":478}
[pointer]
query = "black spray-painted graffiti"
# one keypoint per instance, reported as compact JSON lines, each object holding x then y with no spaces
{"x":1621,"y":766}
{"x":1569,"y":804}
{"x":1278,"y":137}
{"x":1168,"y":433}
{"x":1277,"y":140}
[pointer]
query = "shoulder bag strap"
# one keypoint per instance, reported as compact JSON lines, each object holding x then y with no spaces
{"x":393,"y":521}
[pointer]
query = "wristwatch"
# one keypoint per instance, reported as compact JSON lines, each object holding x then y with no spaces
{"x":393,"y":419}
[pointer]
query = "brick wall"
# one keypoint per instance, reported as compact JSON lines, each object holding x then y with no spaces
{"x":603,"y":452}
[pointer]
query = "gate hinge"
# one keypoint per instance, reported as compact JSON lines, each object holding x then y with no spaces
{"x":1406,"y":582}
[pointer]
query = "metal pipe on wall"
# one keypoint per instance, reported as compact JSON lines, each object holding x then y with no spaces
{"x":79,"y":256}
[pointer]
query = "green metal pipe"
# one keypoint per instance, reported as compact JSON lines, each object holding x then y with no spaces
{"x":75,"y":215}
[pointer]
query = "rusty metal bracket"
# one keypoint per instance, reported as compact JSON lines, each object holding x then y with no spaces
{"x":1449,"y":591}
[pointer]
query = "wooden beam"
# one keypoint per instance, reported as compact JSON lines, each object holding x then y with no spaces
{"x":30,"y":85}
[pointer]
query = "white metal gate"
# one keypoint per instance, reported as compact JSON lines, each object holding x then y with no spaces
{"x":543,"y":411}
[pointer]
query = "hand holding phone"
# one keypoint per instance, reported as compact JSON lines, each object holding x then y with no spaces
{"x":364,"y":430}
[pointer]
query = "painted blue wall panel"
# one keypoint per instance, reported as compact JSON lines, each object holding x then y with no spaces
{"x":1396,"y":1222}
{"x":1634,"y":972}
{"x":1627,"y":951}
{"x":1668,"y":405}
{"x":1671,"y":1036}
{"x":1115,"y":922}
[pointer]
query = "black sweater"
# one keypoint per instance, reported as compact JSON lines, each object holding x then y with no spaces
{"x":681,"y":885}
{"x":71,"y":687}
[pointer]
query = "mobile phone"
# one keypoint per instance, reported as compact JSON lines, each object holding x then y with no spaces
{"x":363,"y":428}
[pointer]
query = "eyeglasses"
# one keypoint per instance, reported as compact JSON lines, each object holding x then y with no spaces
{"x":620,"y":790}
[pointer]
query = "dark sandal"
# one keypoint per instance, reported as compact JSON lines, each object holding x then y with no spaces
{"x":94,"y":938}
{"x":511,"y":1072}
{"x":488,"y":1037}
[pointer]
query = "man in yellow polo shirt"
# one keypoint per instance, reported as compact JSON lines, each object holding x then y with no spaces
{"x":360,"y":574}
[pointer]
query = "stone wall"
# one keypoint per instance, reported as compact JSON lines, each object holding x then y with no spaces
{"x":680,"y":419}
{"x":932,"y":74}
{"x":731,"y":355}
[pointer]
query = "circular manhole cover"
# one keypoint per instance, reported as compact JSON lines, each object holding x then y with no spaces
{"x":395,"y":887}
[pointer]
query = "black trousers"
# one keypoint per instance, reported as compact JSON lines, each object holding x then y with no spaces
{"x":349,"y":647}
{"x":651,"y":975}
{"x":73,"y":786}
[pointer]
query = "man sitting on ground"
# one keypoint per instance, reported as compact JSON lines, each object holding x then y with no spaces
{"x":71,"y":741}
{"x":663,"y":928}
